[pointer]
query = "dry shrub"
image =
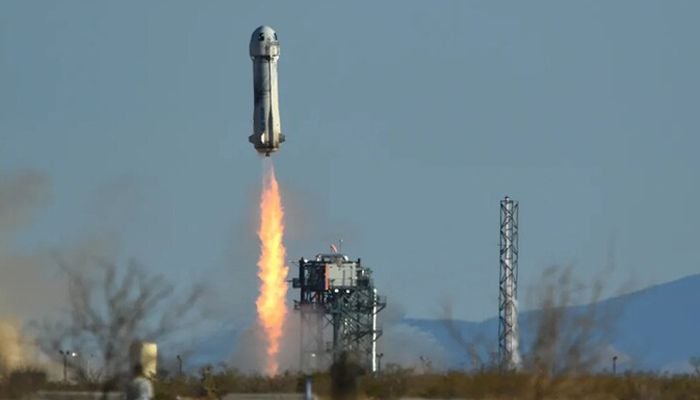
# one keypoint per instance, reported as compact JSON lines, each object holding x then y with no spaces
{"x":495,"y":386}
{"x":392,"y":383}
{"x":22,"y":382}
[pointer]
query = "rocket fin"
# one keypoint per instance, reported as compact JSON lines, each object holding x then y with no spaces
{"x":262,"y":137}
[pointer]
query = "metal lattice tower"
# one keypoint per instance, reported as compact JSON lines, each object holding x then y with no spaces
{"x":338,"y":307}
{"x":508,"y":333}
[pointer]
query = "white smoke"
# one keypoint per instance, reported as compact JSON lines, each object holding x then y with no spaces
{"x":410,"y":347}
{"x":248,"y":355}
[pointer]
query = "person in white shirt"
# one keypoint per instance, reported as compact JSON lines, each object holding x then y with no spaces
{"x":140,"y":387}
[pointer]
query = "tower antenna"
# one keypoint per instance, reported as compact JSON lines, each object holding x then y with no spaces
{"x":508,"y":333}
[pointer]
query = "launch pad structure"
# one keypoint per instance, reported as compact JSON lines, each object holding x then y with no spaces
{"x":508,"y":332}
{"x":338,"y":306}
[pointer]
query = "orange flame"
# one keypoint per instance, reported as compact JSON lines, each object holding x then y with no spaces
{"x":271,"y":306}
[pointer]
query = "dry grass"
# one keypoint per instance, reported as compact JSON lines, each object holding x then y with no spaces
{"x":397,"y":383}
{"x":525,"y":386}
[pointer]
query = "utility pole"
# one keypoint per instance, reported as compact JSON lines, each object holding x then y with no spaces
{"x":66,"y":354}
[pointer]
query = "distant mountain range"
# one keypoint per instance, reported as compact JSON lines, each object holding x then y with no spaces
{"x":657,"y":328}
{"x":654,"y":329}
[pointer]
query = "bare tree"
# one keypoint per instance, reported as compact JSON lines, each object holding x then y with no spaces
{"x":111,"y":308}
{"x":695,"y":363}
{"x":569,"y":339}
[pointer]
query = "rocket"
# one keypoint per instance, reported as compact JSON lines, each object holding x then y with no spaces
{"x":265,"y":51}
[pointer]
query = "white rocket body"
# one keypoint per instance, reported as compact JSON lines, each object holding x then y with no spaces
{"x":265,"y":52}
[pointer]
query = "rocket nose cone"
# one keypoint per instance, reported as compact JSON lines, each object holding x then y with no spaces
{"x":262,"y":38}
{"x":265,"y":30}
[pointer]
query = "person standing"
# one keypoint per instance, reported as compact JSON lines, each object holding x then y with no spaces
{"x":140,"y":387}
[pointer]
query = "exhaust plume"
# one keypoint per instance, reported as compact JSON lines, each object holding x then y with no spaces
{"x":272,"y":271}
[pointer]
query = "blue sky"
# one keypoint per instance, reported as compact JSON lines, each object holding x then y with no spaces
{"x":406,"y":122}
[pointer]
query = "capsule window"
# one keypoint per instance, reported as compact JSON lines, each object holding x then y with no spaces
{"x":261,"y":36}
{"x":275,"y":35}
